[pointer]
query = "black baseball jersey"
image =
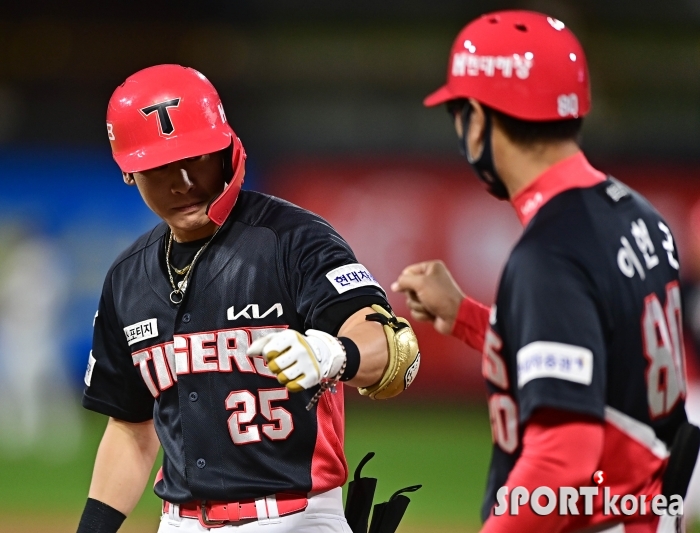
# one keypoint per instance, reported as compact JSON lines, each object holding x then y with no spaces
{"x":588,"y":320}
{"x":229,"y":430}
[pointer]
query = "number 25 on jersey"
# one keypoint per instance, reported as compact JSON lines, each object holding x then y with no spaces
{"x":243,"y":405}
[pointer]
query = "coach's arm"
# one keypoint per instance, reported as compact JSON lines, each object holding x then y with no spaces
{"x":432,"y":295}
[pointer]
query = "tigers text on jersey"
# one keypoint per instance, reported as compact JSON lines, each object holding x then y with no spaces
{"x":229,"y":430}
{"x":588,"y":320}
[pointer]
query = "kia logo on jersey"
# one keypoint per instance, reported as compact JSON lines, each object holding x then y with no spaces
{"x":165,"y":125}
{"x":252,"y":311}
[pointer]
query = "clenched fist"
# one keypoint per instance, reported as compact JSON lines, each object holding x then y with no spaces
{"x":300,"y":361}
{"x":432,"y":294}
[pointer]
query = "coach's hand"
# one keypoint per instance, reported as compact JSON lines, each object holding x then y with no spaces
{"x":432,"y":294}
{"x":300,"y":361}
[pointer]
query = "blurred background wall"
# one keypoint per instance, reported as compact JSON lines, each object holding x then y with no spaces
{"x":326,"y":97}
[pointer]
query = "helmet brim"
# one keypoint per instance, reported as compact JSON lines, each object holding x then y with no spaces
{"x":442,"y":95}
{"x":174,"y":149}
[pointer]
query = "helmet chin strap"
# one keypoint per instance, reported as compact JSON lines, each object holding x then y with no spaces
{"x":483,"y":165}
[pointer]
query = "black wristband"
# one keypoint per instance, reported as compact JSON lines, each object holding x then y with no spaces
{"x":352,"y":354}
{"x":99,"y":517}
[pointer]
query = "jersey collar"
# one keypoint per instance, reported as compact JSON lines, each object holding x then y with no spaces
{"x":571,"y":173}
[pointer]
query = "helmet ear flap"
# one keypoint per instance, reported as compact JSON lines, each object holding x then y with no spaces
{"x":219,"y":208}
{"x":227,"y":157}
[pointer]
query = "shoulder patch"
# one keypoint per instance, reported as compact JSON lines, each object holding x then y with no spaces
{"x":146,"y":329}
{"x":615,"y":191}
{"x":90,"y":368}
{"x":348,"y":277}
{"x":543,"y":359}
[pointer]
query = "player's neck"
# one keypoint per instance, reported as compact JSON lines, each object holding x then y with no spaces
{"x":193,"y":234}
{"x":519,"y":166}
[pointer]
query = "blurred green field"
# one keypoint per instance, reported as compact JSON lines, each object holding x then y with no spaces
{"x":444,"y":448}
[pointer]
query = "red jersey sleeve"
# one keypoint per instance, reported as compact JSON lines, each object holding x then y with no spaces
{"x":559,"y":449}
{"x":472,"y":321}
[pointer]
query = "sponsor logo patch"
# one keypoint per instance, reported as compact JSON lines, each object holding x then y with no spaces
{"x":616,"y":191}
{"x":253,"y":311}
{"x":554,"y":360}
{"x":90,"y":368}
{"x":349,"y":277}
{"x":141,"y":331}
{"x":471,"y":64}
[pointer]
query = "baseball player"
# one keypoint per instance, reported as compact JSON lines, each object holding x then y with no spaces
{"x":225,"y":333}
{"x":582,"y":352}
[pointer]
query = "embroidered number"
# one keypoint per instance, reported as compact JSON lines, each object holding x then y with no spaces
{"x":493,"y":367}
{"x":283,"y":424}
{"x":242,"y":416}
{"x":662,"y":333}
{"x":504,"y":422}
{"x":243,"y":405}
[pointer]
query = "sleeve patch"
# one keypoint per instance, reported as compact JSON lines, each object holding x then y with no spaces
{"x":140,"y":331}
{"x":90,"y":367}
{"x":554,"y":360}
{"x":349,"y":277}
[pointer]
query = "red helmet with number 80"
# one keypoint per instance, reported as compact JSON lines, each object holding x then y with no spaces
{"x":521,"y":63}
{"x":165,"y":113}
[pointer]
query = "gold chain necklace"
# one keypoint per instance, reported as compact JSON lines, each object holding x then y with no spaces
{"x":178,"y":292}
{"x":181,"y":271}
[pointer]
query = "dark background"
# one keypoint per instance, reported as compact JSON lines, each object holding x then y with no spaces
{"x":312,"y":76}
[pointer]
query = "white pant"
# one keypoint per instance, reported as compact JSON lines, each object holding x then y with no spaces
{"x":324,"y":514}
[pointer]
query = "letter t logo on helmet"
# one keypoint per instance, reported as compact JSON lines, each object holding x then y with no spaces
{"x":165,"y":113}
{"x":164,"y":123}
{"x":521,"y":63}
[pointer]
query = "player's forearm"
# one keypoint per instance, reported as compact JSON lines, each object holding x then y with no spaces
{"x":123,"y":464}
{"x":372,"y":344}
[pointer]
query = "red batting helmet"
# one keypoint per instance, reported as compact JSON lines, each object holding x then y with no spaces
{"x":166,"y":113}
{"x":523,"y":64}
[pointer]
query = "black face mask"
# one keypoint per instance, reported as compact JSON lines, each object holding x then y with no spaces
{"x":483,"y":165}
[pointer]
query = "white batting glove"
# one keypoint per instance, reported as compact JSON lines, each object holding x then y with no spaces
{"x":300,"y":361}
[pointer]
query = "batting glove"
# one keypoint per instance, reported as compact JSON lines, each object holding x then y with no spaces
{"x":300,"y":361}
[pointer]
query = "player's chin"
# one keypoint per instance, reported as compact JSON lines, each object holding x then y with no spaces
{"x":190,"y":220}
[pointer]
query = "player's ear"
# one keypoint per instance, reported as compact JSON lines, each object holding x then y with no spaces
{"x":476,"y":128}
{"x":128,"y":178}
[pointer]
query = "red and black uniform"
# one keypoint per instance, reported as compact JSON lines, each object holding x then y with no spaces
{"x":229,"y":430}
{"x":587,"y":321}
